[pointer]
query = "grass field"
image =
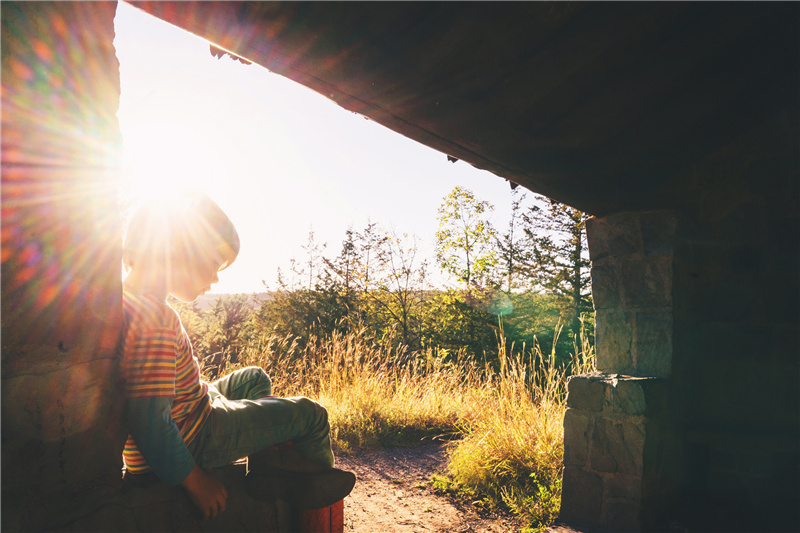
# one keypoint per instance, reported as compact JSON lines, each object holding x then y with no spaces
{"x":503,"y":424}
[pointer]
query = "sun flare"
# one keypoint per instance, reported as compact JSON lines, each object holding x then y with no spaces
{"x":165,"y":156}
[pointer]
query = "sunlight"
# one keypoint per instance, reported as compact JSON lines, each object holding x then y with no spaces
{"x":280,"y":159}
{"x":165,"y":156}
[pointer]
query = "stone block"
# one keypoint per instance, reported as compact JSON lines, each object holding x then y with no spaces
{"x":652,"y":352}
{"x":646,"y":281}
{"x":617,"y":446}
{"x":613,"y":341}
{"x":621,"y":516}
{"x":629,"y":397}
{"x":658,"y":232}
{"x":587,"y":391}
{"x":613,"y":236}
{"x":620,"y":487}
{"x":576,"y":438}
{"x":157,"y":507}
{"x":581,"y":497}
{"x":605,"y":285}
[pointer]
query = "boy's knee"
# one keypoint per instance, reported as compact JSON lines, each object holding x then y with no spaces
{"x":316,"y":411}
{"x":262,"y":381}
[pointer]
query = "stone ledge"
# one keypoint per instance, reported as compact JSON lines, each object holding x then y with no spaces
{"x":610,"y":394}
{"x":157,"y":507}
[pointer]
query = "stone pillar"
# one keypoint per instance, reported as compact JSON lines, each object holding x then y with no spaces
{"x":617,"y":428}
{"x":61,"y":250}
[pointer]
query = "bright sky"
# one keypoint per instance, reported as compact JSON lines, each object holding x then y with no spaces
{"x":279,"y":158}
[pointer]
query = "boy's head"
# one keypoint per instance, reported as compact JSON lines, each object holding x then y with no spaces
{"x":184,"y":236}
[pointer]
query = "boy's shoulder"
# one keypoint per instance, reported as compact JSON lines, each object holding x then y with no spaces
{"x":145,"y":312}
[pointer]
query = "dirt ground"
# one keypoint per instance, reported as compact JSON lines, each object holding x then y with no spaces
{"x":394,"y":494}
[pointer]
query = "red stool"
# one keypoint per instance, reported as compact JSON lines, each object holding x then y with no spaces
{"x":325,"y":520}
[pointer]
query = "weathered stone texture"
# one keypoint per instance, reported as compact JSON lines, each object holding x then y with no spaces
{"x":576,"y":438}
{"x":157,"y":507}
{"x":619,"y":236}
{"x":624,"y":516}
{"x":629,"y":397}
{"x":61,"y":235}
{"x":653,"y":342}
{"x":617,"y":446}
{"x":614,"y":430}
{"x":613,"y":341}
{"x":588,"y":391}
{"x":605,"y":285}
{"x":581,"y":496}
{"x":632,"y":284}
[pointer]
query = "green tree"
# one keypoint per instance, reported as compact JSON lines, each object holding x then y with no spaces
{"x":515,"y":255}
{"x":230,"y":324}
{"x":558,"y":235}
{"x":465,"y":238}
{"x":311,"y":300}
{"x":400,"y":284}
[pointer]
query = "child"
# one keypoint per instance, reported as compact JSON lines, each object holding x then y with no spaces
{"x":180,"y":425}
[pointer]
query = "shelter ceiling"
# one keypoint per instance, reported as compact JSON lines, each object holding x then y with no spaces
{"x":598,"y":105}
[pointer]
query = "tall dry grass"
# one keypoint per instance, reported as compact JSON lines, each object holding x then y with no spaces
{"x":503,"y":422}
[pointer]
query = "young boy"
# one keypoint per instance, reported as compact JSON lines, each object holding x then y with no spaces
{"x":180,"y":425}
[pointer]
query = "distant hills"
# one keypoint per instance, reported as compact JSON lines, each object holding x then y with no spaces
{"x":207,"y":301}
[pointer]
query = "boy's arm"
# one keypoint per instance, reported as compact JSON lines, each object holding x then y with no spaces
{"x":207,"y":492}
{"x":158,"y":439}
{"x":163,"y":447}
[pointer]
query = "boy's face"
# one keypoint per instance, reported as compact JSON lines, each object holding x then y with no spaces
{"x":193,"y":276}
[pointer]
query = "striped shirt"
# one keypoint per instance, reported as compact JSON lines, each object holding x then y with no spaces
{"x":157,"y":362}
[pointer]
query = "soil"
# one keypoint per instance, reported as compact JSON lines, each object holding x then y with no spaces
{"x":394,"y":494}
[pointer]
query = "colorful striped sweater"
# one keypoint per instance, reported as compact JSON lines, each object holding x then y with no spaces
{"x":158,"y":363}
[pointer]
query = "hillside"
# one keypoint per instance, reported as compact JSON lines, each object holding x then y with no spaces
{"x":207,"y":301}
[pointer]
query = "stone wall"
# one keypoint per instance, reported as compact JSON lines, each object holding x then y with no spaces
{"x":61,"y":290}
{"x":617,"y":427}
{"x":614,"y":435}
{"x":704,"y":304}
{"x":736,"y":321}
{"x":632,"y":263}
{"x":148,"y":507}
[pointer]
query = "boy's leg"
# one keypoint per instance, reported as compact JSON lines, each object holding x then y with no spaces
{"x":239,"y":428}
{"x":249,"y":383}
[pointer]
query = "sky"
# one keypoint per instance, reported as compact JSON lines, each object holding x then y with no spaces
{"x":280,"y":159}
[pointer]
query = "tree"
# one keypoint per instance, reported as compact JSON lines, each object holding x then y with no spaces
{"x":400,"y":284}
{"x":515,"y":257}
{"x":561,"y":255}
{"x":230,"y":319}
{"x":382,"y":278}
{"x":465,"y":237}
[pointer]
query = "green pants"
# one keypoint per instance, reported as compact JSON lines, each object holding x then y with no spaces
{"x":245,"y":419}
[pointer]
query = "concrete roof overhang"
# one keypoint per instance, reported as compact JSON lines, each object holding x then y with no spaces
{"x":598,"y":105}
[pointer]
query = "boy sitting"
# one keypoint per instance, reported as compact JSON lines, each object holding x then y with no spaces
{"x":180,"y":425}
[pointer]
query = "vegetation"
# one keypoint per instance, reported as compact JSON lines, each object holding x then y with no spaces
{"x":398,"y":362}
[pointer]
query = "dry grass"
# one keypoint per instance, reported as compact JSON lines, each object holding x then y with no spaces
{"x":504,"y":425}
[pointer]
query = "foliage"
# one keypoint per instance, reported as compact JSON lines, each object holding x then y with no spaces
{"x":397,"y":362}
{"x":558,"y":239}
{"x":503,"y":424}
{"x":465,"y":237}
{"x":512,"y":451}
{"x":220,"y":332}
{"x":516,"y":259}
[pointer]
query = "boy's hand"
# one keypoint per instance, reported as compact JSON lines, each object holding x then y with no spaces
{"x":206,"y":492}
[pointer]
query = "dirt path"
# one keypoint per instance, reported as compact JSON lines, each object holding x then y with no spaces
{"x":394,"y":495}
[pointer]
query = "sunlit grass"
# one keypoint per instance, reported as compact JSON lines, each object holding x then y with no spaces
{"x":504,"y":426}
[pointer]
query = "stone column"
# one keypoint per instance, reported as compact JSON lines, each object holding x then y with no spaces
{"x":61,"y":250}
{"x":616,"y":427}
